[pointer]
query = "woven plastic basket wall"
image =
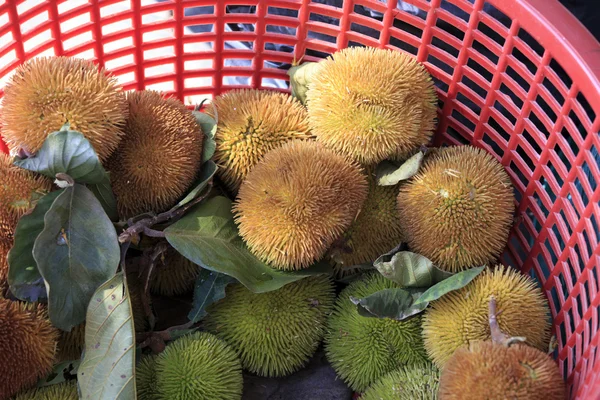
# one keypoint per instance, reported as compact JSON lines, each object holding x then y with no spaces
{"x":519,"y":78}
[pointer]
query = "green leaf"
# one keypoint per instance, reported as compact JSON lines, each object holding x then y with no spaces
{"x":409,"y":269}
{"x":60,"y":373}
{"x":455,"y":282}
{"x":395,"y":303}
{"x":208,"y":237}
{"x":210,"y":288}
{"x":107,"y":369}
{"x":104,"y":193}
{"x":388,"y":174}
{"x":66,"y":152}
{"x":208,"y":170}
{"x":209,"y":128}
{"x":75,"y":253}
{"x":300,"y":78}
{"x":24,"y":279}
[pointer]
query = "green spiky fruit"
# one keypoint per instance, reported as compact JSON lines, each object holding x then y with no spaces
{"x":371,"y":104}
{"x":198,"y":366}
{"x":486,"y":370}
{"x":458,"y":210}
{"x":363,"y":349}
{"x":173,"y":275}
{"x":46,"y":92}
{"x":61,"y":391}
{"x":159,"y":157}
{"x":275,"y":333}
{"x":376,"y":230}
{"x":408,"y":383}
{"x":296,"y":202}
{"x":461,"y":317}
{"x":145,"y":378}
{"x":250,"y":124}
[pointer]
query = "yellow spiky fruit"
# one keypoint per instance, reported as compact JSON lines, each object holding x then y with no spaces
{"x":60,"y":391}
{"x":250,"y":124}
{"x":458,"y":210}
{"x":486,"y":370}
{"x":296,"y":202}
{"x":45,"y":93}
{"x":372,"y":104}
{"x":27,"y":344}
{"x":461,"y":317}
{"x":71,"y":344}
{"x":375,"y":231}
{"x":174,"y":275}
{"x":275,"y":333}
{"x":159,"y":156}
{"x":19,"y":189}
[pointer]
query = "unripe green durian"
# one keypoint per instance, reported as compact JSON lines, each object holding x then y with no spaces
{"x":275,"y":333}
{"x":145,"y":378}
{"x":372,"y":104}
{"x":461,"y":317}
{"x":60,"y":391}
{"x":487,"y":370}
{"x":414,"y":382}
{"x":296,"y":202}
{"x":363,"y":349}
{"x":198,"y":366}
{"x":458,"y":210}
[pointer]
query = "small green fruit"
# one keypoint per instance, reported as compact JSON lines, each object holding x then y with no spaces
{"x":61,"y":391}
{"x":274,"y":333}
{"x":363,"y":349}
{"x":145,"y":379}
{"x":408,"y":383}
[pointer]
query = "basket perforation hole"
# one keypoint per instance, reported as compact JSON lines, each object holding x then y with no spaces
{"x":78,"y":40}
{"x":463,"y":120}
{"x":198,"y":29}
{"x":553,"y":90}
{"x":546,"y":108}
{"x":480,"y":69}
{"x":119,"y":44}
{"x":497,"y":14}
{"x":270,"y":82}
{"x":37,"y":40}
{"x":530,"y":42}
{"x":525,"y":157}
{"x":595,"y":282}
{"x":452,"y":132}
{"x":159,"y":70}
{"x":440,"y":44}
{"x":586,"y":106}
{"x":498,"y":128}
{"x":553,"y":257}
{"x":505,"y":113}
{"x":483,"y":50}
{"x":517,"y":194}
{"x":573,"y":274}
{"x":515,"y":99}
{"x":587,"y":241}
{"x":115,"y":26}
{"x":517,"y":172}
{"x":199,"y":10}
{"x":166,"y":86}
{"x":322,"y":36}
{"x":277,"y":47}
{"x":440,"y":64}
{"x":564,"y":288}
{"x":542,"y":266}
{"x":282,"y":11}
{"x":577,"y":252}
{"x":556,"y":302}
{"x":519,"y":80}
{"x":71,"y":4}
{"x":559,"y":238}
{"x":522,"y":58}
{"x":468,"y":102}
{"x":239,"y":9}
{"x":159,"y":16}
{"x":521,"y":253}
{"x":566,"y":221}
{"x":573,"y":206}
{"x":198,"y":82}
{"x":440,"y":103}
{"x":594,"y":225}
{"x":326,"y":19}
{"x":403,"y":45}
{"x":493,"y":146}
{"x":527,"y":136}
{"x":578,"y":125}
{"x":524,"y":230}
{"x":365,"y":30}
{"x":69,"y":24}
{"x":452,"y":11}
{"x":581,"y":191}
{"x":237,"y":62}
{"x":491,"y":33}
{"x":544,"y":184}
{"x":540,"y":203}
{"x":473,"y":86}
{"x":555,"y":174}
{"x":160,"y":52}
{"x":450,"y":29}
{"x":560,"y":72}
{"x":282,"y":30}
{"x":562,"y":156}
{"x":568,"y":137}
{"x":115,"y":8}
{"x":539,"y":124}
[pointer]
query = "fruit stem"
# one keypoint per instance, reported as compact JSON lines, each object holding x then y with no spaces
{"x":498,"y":336}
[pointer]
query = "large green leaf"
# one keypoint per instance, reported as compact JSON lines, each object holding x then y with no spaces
{"x":75,"y":253}
{"x":209,"y":237}
{"x":107,"y":369}
{"x":210,"y":288}
{"x":455,"y":282}
{"x":409,"y":269}
{"x":106,"y":197}
{"x":395,"y":303}
{"x":388,"y":174}
{"x":66,"y":152}
{"x":24,"y":279}
{"x":209,"y":128}
{"x":209,"y":169}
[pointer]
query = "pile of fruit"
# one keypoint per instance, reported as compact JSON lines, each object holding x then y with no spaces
{"x":287,"y":221}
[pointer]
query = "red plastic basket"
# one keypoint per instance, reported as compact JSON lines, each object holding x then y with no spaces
{"x":532,"y":100}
